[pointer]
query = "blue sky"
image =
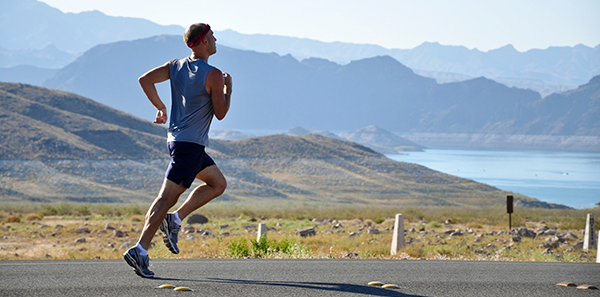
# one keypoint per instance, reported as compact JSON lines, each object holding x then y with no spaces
{"x":481,"y":24}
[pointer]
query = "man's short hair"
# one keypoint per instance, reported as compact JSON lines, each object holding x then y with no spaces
{"x":193,"y":31}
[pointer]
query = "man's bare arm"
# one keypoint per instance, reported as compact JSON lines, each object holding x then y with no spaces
{"x":148,"y":81}
{"x":219,"y":86}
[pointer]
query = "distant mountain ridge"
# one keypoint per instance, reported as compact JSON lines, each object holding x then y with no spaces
{"x":28,"y":26}
{"x":278,"y":92}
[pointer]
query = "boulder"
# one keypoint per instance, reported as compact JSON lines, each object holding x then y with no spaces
{"x":83,"y":230}
{"x":373,"y":231}
{"x":197,"y":219}
{"x":524,"y":232}
{"x":306,"y":232}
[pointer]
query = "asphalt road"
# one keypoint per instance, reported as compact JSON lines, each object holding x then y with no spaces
{"x":272,"y":277}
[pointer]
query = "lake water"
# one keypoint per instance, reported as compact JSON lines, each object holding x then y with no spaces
{"x":569,"y":178}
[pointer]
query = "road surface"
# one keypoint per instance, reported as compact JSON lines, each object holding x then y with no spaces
{"x":296,"y":277}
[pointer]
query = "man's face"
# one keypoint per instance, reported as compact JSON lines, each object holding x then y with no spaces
{"x":212,"y":42}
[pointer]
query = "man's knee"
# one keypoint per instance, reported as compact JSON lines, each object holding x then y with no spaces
{"x":220,"y":186}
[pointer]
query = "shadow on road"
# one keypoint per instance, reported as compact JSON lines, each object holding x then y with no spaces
{"x":339,"y":287}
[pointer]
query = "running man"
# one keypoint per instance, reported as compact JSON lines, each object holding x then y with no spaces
{"x":198,"y":92}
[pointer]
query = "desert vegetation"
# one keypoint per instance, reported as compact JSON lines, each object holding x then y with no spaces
{"x":105,"y":231}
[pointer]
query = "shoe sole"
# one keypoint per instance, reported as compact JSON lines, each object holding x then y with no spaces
{"x":167,"y":238}
{"x":136,"y":269}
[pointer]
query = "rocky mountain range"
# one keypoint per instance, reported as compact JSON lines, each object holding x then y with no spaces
{"x":58,"y":146}
{"x":278,"y":92}
{"x":33,"y":33}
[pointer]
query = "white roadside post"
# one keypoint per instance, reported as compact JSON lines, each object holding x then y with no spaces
{"x":262,"y":231}
{"x":398,"y":238}
{"x":598,"y":250}
{"x":589,"y":237}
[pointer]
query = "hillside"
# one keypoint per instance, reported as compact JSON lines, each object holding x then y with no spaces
{"x":62,"y":147}
{"x":43,"y":124}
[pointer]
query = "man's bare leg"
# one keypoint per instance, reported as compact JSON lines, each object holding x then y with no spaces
{"x":214,"y":186}
{"x":167,"y":198}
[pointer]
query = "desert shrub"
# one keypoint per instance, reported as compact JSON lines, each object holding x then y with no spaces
{"x":378,"y":220}
{"x":13,"y":219}
{"x":238,"y":248}
{"x":33,"y":217}
{"x":415,"y":251}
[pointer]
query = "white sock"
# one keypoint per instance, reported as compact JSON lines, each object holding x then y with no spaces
{"x":141,"y":250}
{"x":176,"y":218}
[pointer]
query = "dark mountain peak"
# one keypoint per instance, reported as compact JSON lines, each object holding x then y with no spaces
{"x":595,"y":81}
{"x":320,"y":63}
{"x":298,"y":131}
{"x":379,"y":64}
{"x":507,"y":49}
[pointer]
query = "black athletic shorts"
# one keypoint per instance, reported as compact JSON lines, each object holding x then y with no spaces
{"x":187,"y":160}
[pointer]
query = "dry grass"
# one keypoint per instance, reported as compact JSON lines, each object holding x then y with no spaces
{"x":342,"y":232}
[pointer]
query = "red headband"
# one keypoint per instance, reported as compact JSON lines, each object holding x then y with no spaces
{"x":199,"y":37}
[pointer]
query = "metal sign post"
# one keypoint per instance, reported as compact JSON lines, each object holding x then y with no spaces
{"x":509,"y":210}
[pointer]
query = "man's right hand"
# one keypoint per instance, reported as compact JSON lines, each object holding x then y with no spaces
{"x":161,"y":116}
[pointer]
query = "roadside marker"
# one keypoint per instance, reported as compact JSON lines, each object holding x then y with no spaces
{"x":566,"y":284}
{"x":379,"y":284}
{"x":391,"y":286}
{"x":262,"y":231}
{"x":398,"y":235}
{"x":587,"y":287}
{"x":182,"y":289}
{"x":166,"y":286}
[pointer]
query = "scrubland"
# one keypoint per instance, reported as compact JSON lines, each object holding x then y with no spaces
{"x":104,"y":231}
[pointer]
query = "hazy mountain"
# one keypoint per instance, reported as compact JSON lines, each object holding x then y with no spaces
{"x":277,"y":92}
{"x":58,"y":146}
{"x":26,"y":74}
{"x":48,"y":57}
{"x":30,"y":24}
{"x":381,"y":140}
{"x":33,"y":33}
{"x":554,"y":69}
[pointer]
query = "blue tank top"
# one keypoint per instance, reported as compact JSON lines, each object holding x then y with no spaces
{"x":191,"y":106}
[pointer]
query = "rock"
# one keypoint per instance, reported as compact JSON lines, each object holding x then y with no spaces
{"x":349,"y":255}
{"x":354,"y":234}
{"x":373,"y":231}
{"x":80,"y":240}
{"x":449,"y":231}
{"x":515,"y":239}
{"x":109,"y":227}
{"x":456,"y":232}
{"x":125,"y":245}
{"x":570,"y":235}
{"x":306,"y":232}
{"x":197,"y":219}
{"x":338,"y":225}
{"x":550,"y":244}
{"x":224,"y":226}
{"x":189,"y":229}
{"x":524,"y":232}
{"x":550,"y":232}
{"x":448,"y":222}
{"x":59,"y":226}
{"x":547,"y":251}
{"x":83,"y":230}
{"x":118,"y":233}
{"x":189,"y":237}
